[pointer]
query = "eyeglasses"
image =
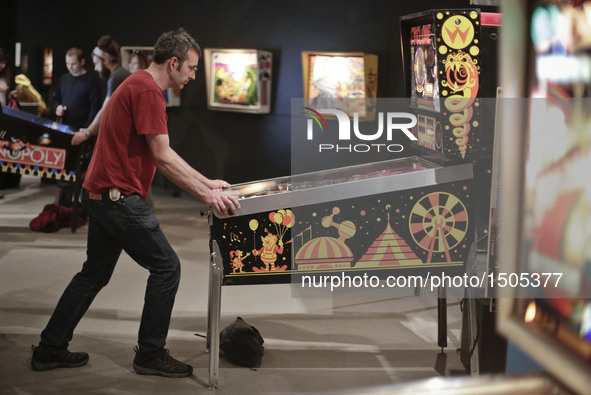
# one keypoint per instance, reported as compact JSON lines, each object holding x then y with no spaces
{"x":192,"y":68}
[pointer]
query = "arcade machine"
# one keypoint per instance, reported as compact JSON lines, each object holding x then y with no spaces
{"x":411,"y":216}
{"x":399,"y":217}
{"x":543,"y":281}
{"x":546,"y":196}
{"x":450,"y":65}
{"x":35,"y":146}
{"x":544,"y":277}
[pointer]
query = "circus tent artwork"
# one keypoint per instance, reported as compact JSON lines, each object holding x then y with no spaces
{"x":388,"y":249}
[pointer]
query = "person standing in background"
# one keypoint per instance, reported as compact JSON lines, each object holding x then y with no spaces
{"x":107,"y":62}
{"x":77,"y":97}
{"x":76,"y":101}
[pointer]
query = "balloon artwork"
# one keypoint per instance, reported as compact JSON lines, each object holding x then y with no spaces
{"x":283,"y":220}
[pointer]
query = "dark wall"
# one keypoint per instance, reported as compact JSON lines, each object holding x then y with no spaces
{"x":233,"y":146}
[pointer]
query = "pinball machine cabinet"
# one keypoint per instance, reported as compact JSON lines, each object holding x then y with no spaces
{"x":405,"y":215}
{"x":397,"y":217}
{"x":450,"y":66}
{"x":32,"y":145}
{"x":36,"y":146}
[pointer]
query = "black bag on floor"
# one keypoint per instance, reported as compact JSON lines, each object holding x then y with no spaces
{"x":242,"y":344}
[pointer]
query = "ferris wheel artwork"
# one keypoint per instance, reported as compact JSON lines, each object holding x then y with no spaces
{"x":438,"y":222}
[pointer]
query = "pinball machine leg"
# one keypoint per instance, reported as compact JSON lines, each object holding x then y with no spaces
{"x":213,"y":314}
{"x":441,"y":318}
{"x":209,"y":304}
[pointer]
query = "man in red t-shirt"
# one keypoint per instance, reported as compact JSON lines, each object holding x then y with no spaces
{"x":132,"y":142}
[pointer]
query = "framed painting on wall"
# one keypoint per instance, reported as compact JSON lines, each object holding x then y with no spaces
{"x":238,"y":80}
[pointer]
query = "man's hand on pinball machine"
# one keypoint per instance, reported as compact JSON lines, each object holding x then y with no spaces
{"x":218,"y":185}
{"x":223,"y":203}
{"x":80,"y":136}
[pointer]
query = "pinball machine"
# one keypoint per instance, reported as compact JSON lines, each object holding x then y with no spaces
{"x":31,"y":145}
{"x":403,"y":216}
{"x":545,"y":204}
{"x":411,"y":215}
{"x":451,"y":76}
{"x":450,"y":67}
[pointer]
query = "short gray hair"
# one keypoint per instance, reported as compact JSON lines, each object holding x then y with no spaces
{"x":174,"y":44}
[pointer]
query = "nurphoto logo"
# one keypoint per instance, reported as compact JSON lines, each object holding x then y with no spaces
{"x":394,"y":122}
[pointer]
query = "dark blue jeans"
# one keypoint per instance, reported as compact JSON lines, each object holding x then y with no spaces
{"x":128,"y":225}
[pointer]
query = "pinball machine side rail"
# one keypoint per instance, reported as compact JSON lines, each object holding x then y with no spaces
{"x":354,"y":189}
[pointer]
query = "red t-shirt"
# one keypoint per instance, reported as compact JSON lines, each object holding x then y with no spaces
{"x":121,"y":157}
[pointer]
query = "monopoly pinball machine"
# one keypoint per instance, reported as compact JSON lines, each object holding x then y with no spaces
{"x":32,"y":145}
